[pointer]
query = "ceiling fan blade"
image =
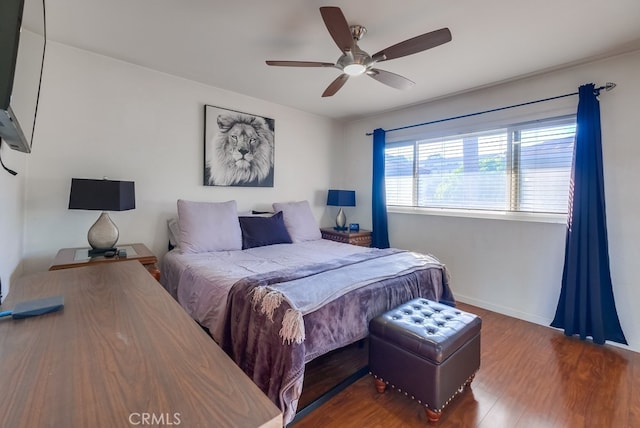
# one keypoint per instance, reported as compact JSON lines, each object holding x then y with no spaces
{"x":300,"y":63}
{"x":337,"y":25}
{"x":390,"y":79}
{"x":335,"y":85}
{"x":414,"y":45}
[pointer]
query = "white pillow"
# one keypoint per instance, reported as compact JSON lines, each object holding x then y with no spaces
{"x":299,"y":220}
{"x":209,"y":226}
{"x":174,"y":231}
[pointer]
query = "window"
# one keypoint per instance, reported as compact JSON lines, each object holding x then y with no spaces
{"x":518,"y":168}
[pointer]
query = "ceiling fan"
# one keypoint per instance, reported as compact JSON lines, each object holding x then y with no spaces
{"x":354,"y":61}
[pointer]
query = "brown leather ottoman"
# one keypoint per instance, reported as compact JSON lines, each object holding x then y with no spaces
{"x":425,"y":349}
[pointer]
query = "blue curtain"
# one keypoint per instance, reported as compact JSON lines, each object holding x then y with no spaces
{"x":380,"y":233}
{"x":586,"y":306}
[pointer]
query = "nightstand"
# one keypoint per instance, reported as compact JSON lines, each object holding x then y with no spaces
{"x":361,"y":238}
{"x":77,"y":257}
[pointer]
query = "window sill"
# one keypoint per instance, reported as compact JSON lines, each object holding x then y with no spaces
{"x":482,"y":214}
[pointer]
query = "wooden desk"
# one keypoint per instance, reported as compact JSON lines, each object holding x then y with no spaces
{"x":120,"y":349}
{"x":76,"y":257}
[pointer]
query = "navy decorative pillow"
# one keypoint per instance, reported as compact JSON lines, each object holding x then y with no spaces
{"x":261,"y":231}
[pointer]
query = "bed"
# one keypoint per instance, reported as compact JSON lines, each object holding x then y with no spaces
{"x":274,"y":295}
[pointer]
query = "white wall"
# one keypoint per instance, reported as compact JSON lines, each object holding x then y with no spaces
{"x":101,"y":117}
{"x":515,"y":267}
{"x":11,"y":215}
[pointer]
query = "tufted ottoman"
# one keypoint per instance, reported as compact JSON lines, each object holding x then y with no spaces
{"x":425,"y":349}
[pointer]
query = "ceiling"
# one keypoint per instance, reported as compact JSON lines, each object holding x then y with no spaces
{"x":225,"y":43}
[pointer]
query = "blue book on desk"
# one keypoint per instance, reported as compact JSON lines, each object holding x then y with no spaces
{"x":32,"y":308}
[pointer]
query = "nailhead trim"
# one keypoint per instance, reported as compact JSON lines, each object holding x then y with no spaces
{"x":459,"y":390}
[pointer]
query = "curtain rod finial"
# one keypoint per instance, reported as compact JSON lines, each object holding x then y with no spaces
{"x":609,"y":86}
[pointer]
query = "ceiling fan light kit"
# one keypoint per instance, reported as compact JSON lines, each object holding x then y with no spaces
{"x":355,"y":62}
{"x":354,"y":69}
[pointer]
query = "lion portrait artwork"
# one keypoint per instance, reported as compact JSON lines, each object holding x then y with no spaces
{"x":240,"y":150}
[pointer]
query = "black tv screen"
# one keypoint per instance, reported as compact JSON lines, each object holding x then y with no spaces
{"x":22,"y":46}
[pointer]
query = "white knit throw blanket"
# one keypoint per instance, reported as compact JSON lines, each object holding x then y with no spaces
{"x":308,"y":294}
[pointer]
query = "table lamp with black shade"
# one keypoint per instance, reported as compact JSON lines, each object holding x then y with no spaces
{"x":341,"y":198}
{"x":102,"y":195}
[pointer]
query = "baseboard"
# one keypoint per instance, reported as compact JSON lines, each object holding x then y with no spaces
{"x":504,"y":310}
{"x":535,"y":319}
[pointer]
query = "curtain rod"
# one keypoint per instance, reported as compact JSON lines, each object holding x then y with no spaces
{"x":608,"y":86}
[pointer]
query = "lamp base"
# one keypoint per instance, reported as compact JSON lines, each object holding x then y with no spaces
{"x":341,"y":220}
{"x":104,"y":234}
{"x":100,"y":251}
{"x":341,"y":229}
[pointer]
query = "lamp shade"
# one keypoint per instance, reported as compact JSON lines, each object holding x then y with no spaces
{"x":341,"y":198}
{"x":103,"y":195}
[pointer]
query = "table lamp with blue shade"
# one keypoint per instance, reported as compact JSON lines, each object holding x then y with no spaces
{"x":341,"y":198}
{"x":102,"y":195}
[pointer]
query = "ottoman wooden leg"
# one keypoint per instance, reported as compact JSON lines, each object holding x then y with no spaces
{"x":380,"y":385}
{"x":433,"y":415}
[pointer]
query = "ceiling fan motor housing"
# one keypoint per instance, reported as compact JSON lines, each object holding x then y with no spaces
{"x":354,"y":62}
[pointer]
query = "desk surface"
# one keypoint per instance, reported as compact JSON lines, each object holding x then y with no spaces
{"x":121,"y":350}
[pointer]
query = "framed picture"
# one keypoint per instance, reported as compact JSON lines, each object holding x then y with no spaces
{"x":238,"y":148}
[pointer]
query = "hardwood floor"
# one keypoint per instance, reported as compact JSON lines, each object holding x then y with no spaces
{"x":530,"y":376}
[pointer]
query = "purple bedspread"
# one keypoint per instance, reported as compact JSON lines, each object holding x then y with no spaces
{"x":253,"y":341}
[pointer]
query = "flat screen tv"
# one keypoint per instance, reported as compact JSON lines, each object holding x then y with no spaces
{"x":22,"y":45}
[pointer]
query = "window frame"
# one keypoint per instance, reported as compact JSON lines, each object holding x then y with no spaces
{"x":512,"y":182}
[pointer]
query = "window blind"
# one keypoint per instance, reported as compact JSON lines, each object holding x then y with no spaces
{"x":522,"y":167}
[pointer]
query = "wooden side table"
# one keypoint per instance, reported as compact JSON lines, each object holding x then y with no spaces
{"x":77,"y":257}
{"x":361,"y":238}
